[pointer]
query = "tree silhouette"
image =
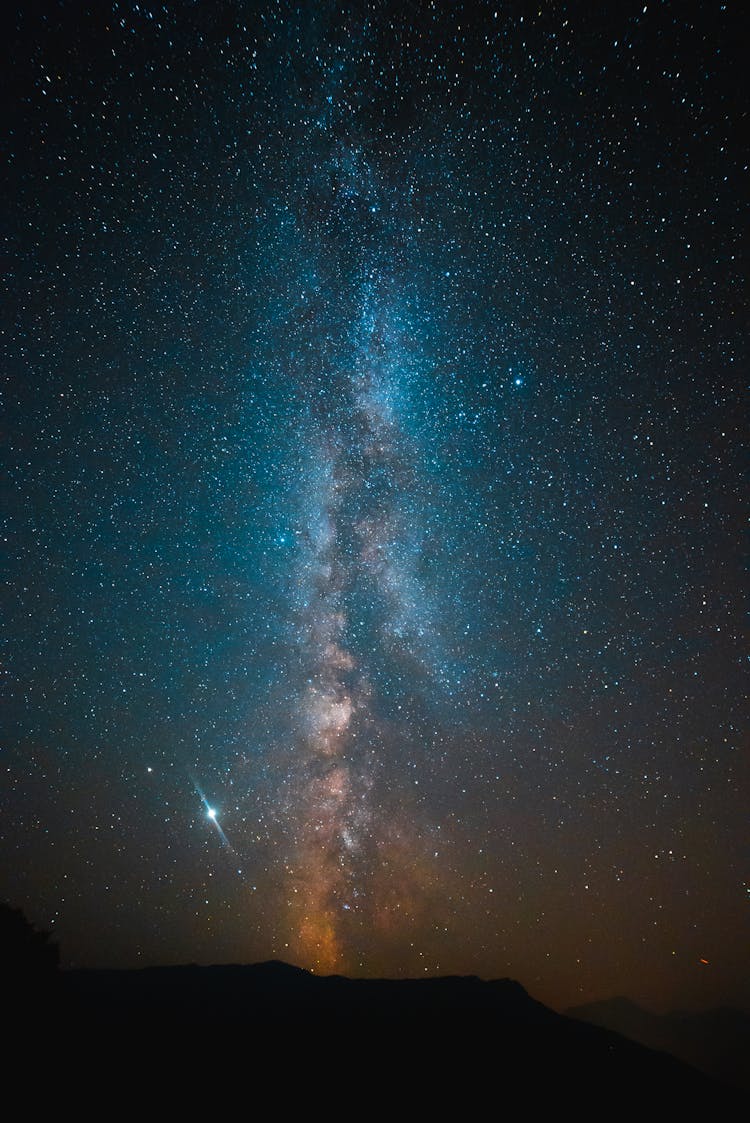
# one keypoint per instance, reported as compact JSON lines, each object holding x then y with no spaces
{"x":26,"y":955}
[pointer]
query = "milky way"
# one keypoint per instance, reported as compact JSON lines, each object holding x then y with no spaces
{"x":346,"y":543}
{"x":362,"y":611}
{"x":373,"y":453}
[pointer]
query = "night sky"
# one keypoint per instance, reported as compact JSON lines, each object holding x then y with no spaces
{"x":372,"y":481}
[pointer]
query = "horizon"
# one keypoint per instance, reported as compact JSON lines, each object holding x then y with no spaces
{"x":700,"y":1004}
{"x":605,"y":1001}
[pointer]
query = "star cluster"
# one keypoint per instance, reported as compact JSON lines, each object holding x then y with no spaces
{"x":374,"y":426}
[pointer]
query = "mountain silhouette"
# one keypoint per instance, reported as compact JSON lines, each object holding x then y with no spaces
{"x":715,"y":1041}
{"x":280,"y":1035}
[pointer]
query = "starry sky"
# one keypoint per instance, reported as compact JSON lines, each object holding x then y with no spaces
{"x":372,"y":475}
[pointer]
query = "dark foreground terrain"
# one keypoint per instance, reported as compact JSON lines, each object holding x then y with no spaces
{"x":715,"y":1041}
{"x":271,"y":1038}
